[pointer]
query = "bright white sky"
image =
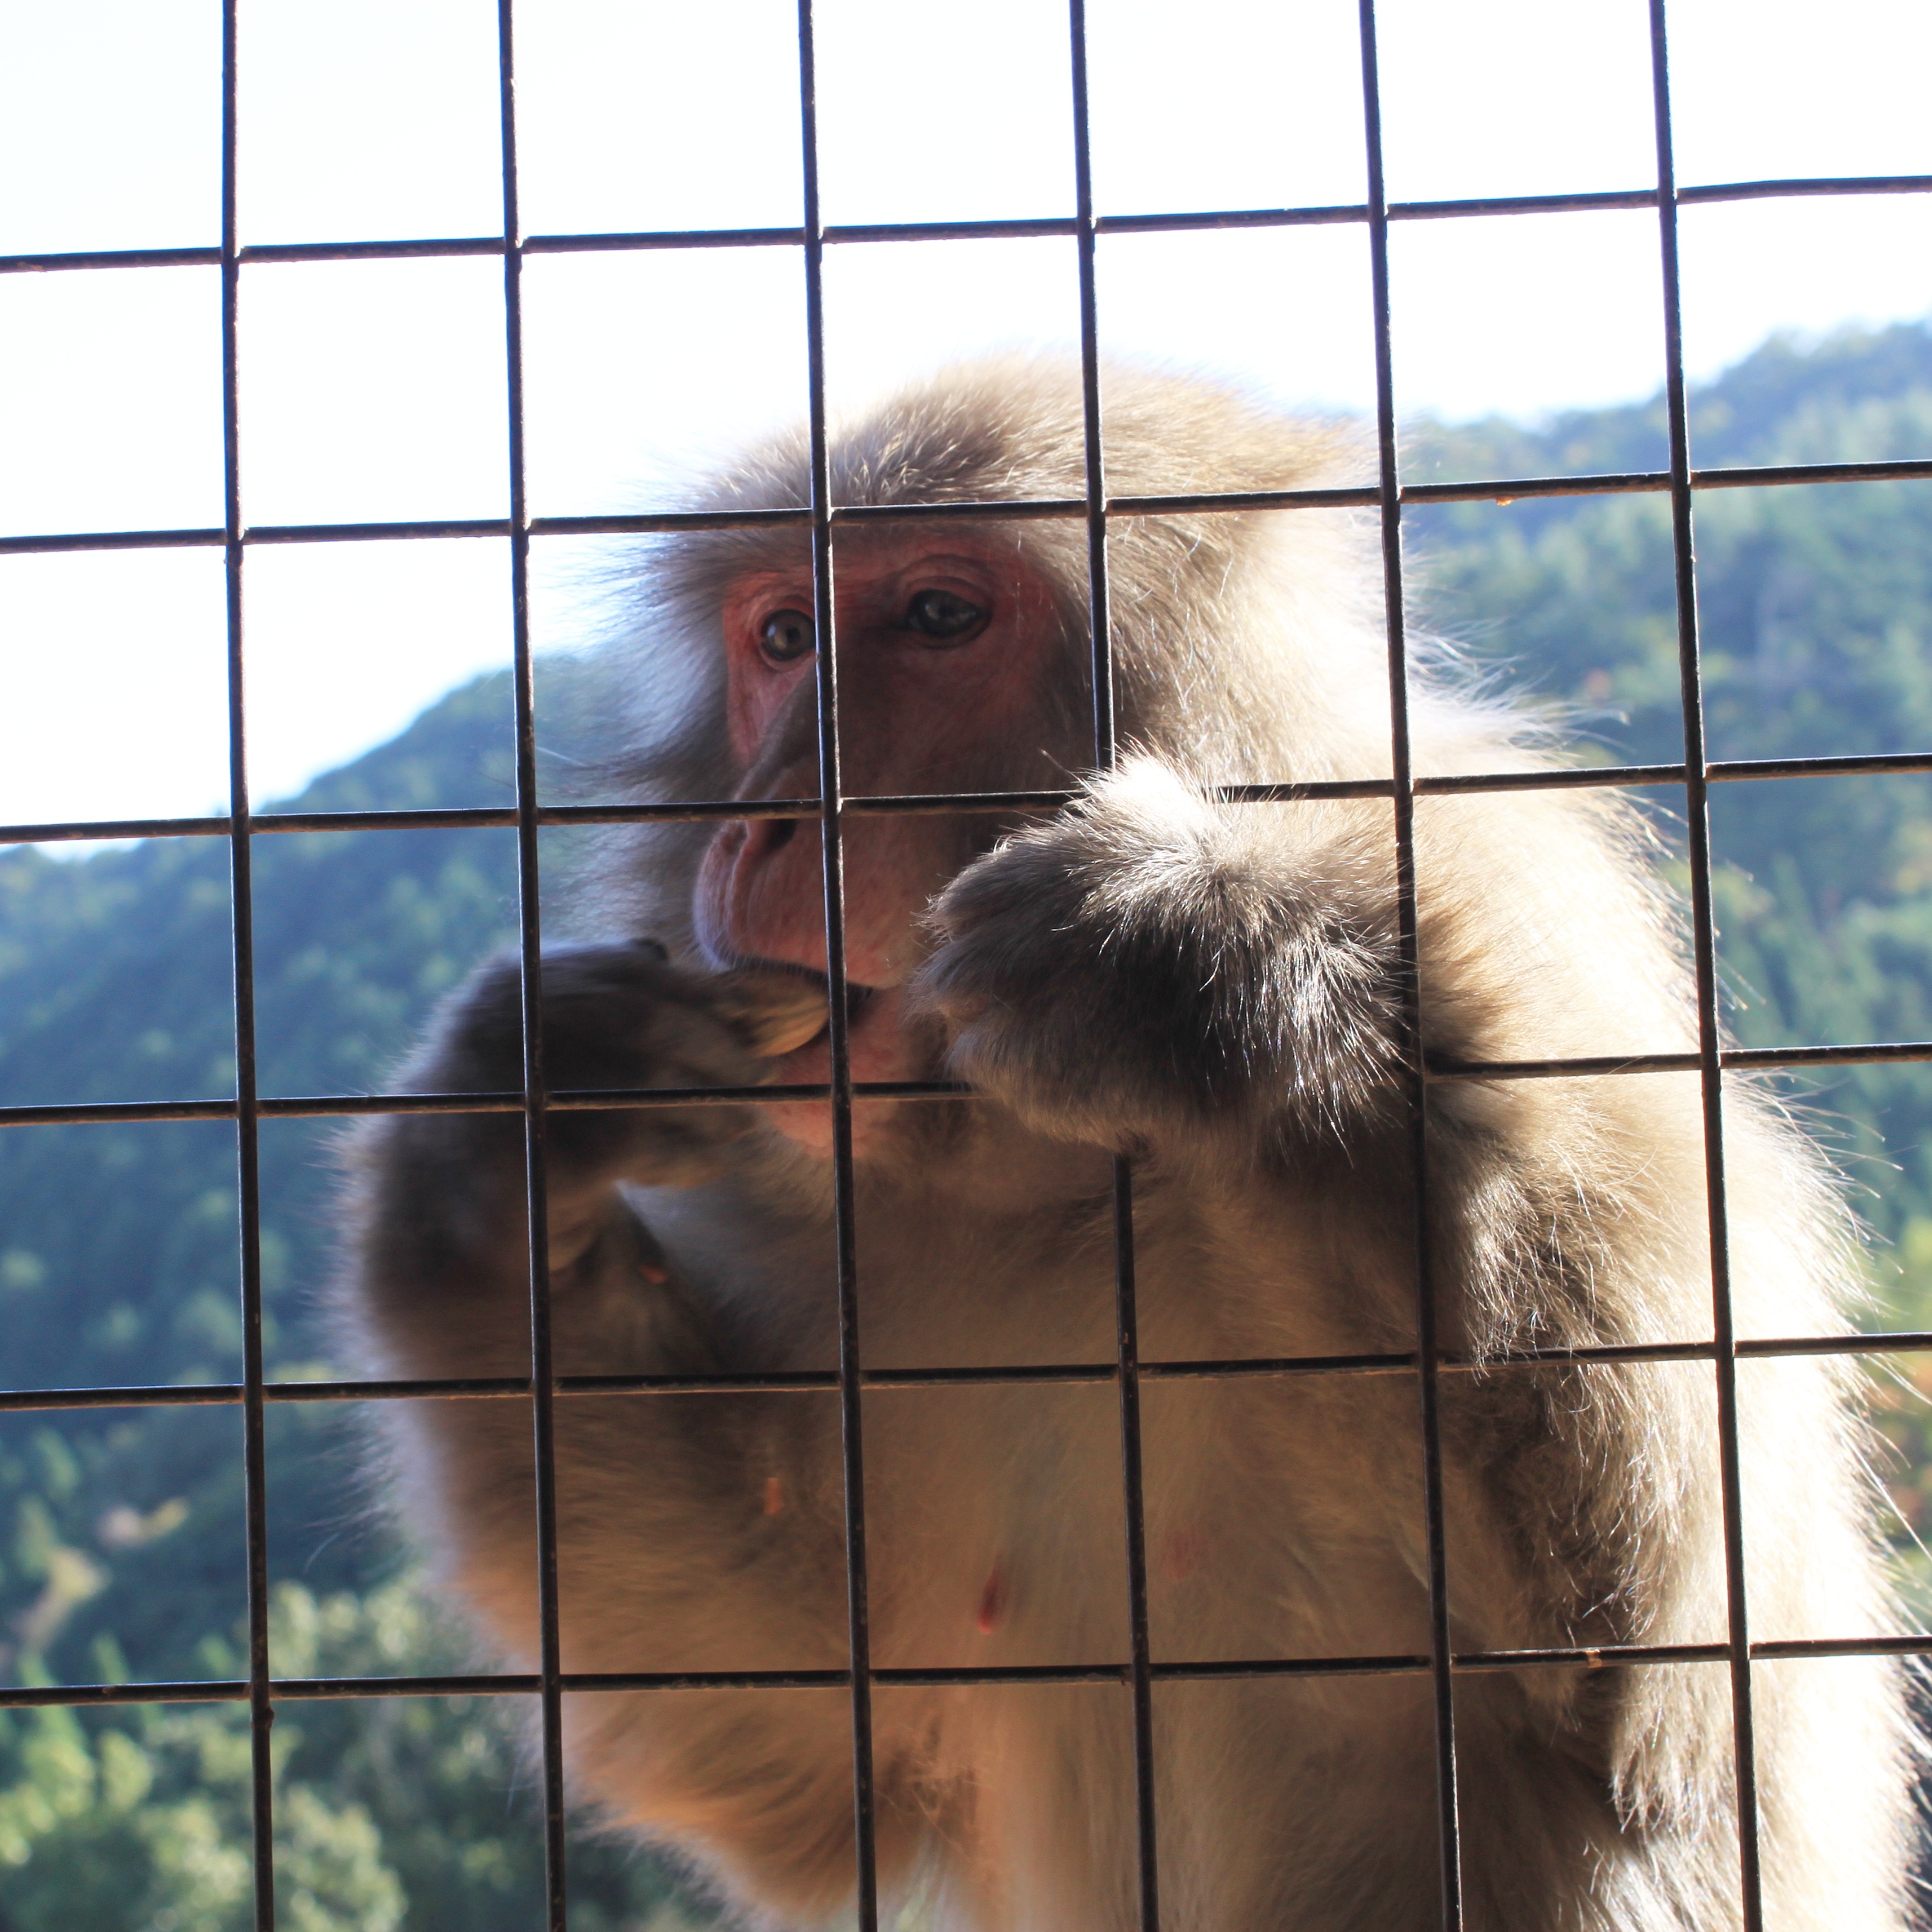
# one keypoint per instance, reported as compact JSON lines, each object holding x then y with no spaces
{"x":374,"y":390}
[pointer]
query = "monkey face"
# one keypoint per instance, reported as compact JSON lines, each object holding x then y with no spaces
{"x":946,"y":650}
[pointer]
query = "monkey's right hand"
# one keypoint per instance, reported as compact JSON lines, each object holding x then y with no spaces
{"x":616,"y":1017}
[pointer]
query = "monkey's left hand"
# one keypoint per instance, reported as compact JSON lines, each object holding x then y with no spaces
{"x":1150,"y":961}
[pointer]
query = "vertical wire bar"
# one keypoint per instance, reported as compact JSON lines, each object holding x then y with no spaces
{"x":858,"y":1600}
{"x":530,"y":943}
{"x":1106,"y":752}
{"x":1409,"y":1042}
{"x":1127,"y":1355}
{"x":1697,"y":824}
{"x":247,"y":1134}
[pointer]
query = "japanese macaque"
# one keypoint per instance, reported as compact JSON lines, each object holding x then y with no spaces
{"x":1214,"y":989}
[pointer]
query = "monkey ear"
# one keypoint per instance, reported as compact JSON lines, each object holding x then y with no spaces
{"x":772,"y":1012}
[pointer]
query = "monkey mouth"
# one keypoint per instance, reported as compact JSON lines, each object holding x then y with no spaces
{"x":877,"y":1047}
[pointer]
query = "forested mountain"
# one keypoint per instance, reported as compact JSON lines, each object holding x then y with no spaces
{"x":120,"y":1530}
{"x":1815,"y":619}
{"x":122,"y":1550}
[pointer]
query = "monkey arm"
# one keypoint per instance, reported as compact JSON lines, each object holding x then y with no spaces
{"x":695,"y":1532}
{"x":446,"y":1189}
{"x":438,"y":1285}
{"x":1152,"y":969}
{"x":1149,"y":964}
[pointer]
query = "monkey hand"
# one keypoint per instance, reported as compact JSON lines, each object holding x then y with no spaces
{"x":445,"y":1191}
{"x":620,"y":1016}
{"x":1150,"y":961}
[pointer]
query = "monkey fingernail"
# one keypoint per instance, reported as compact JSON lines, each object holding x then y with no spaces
{"x":656,"y":1276}
{"x":775,"y":1013}
{"x":774,"y":1040}
{"x":774,"y":1496}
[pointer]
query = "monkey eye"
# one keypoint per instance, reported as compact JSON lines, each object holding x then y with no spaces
{"x":787,"y":636}
{"x":943,"y":617}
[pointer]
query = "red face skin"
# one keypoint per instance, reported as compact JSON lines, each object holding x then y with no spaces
{"x":917,"y":713}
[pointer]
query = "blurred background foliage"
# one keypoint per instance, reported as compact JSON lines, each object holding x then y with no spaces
{"x":120,"y":1530}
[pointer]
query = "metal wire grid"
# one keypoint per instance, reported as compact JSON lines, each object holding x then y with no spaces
{"x":1427,"y":1362}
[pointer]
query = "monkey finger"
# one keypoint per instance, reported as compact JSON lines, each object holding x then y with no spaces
{"x":773,"y":1012}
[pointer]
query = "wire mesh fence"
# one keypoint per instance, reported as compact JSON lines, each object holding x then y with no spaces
{"x":1429,"y":1363}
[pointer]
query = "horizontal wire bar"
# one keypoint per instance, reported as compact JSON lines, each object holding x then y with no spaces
{"x":1562,"y":778}
{"x":941,"y":1676}
{"x":1189,"y":220}
{"x":1866,"y":764}
{"x":473,"y":1684}
{"x":1895,"y":1342}
{"x":769,"y":1381}
{"x":58,"y":832}
{"x":706,"y":1680}
{"x":393,"y":531}
{"x":302,"y":1689}
{"x":55,"y":261}
{"x":1565,"y":778}
{"x":1265,"y":1366}
{"x":919,"y":804}
{"x":1206,"y":1672}
{"x":1762,"y":476}
{"x":1016,"y":509}
{"x":655,"y":522}
{"x":410,"y":248}
{"x":645,"y":239}
{"x":618,"y":240}
{"x":1586,"y":1067}
{"x":1586,"y":201}
{"x":55,"y":541}
{"x":1736,"y":1060}
{"x":190,"y":1395}
{"x":55,"y":1696}
{"x":1802,"y":184}
{"x":1235,"y":502}
{"x":1017,"y":228}
{"x":115,"y":1113}
{"x":102,"y":1113}
{"x":1746,"y":1059}
{"x":1497,"y":490}
{"x":1025,"y":1375}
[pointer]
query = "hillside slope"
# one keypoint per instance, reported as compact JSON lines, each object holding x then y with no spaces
{"x":122,"y":1554}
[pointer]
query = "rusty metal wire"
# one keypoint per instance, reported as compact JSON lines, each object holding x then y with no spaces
{"x":1424,"y":1366}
